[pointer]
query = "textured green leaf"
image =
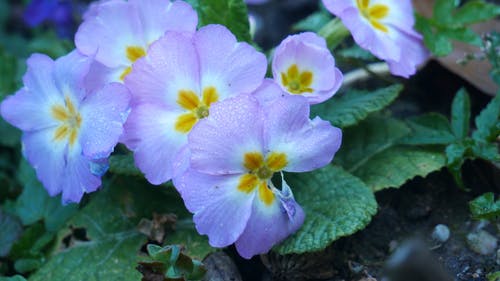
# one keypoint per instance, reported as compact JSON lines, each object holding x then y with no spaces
{"x":493,"y":276}
{"x":123,"y":165}
{"x":475,"y":11}
{"x":370,"y":137}
{"x":11,"y":229}
{"x":110,"y":221}
{"x":230,"y":13}
{"x":336,"y":204}
{"x":431,"y":128}
{"x":442,"y":10}
{"x":370,"y":152}
{"x":35,"y":204}
{"x":487,"y":151}
{"x":353,"y":106}
{"x":356,"y":52}
{"x":461,"y":34}
{"x":488,"y":122}
{"x":455,"y":156}
{"x":485,"y":207}
{"x":394,"y":166}
{"x":460,"y":114}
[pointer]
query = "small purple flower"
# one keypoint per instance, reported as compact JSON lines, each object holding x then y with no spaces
{"x":385,"y":28}
{"x":174,"y":86}
{"x":119,"y":32}
{"x":60,"y":13}
{"x":68,"y":131}
{"x":234,"y":154}
{"x":303,"y":65}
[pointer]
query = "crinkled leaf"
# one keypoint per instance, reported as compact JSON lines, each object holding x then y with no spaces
{"x":35,"y":204}
{"x":437,"y":43}
{"x":442,"y":10}
{"x":11,"y":229}
{"x":455,"y":156}
{"x":353,"y":106}
{"x":123,"y":165}
{"x":460,"y":114}
{"x":195,"y":245}
{"x":110,"y":221}
{"x":370,"y":152}
{"x":396,"y":165}
{"x":493,"y":276}
{"x":336,"y":204}
{"x":370,"y":137}
{"x":488,"y":122}
{"x":431,"y":128}
{"x":487,"y":151}
{"x":485,"y":207}
{"x":230,"y":13}
{"x":33,"y":243}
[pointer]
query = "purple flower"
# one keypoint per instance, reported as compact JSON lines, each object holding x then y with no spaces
{"x":68,"y":131}
{"x":174,"y":86}
{"x":60,"y":13}
{"x":385,"y":28}
{"x":119,"y":32}
{"x":234,"y":154}
{"x":303,"y":65}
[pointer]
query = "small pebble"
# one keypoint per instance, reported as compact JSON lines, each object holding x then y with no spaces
{"x":482,"y":242}
{"x":441,"y":233}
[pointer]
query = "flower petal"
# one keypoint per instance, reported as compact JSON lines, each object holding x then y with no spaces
{"x":268,"y":225}
{"x":220,"y":210}
{"x":103,"y":114}
{"x":307,"y":144}
{"x":171,"y":65}
{"x":78,"y":179}
{"x":47,"y":158}
{"x":150,"y":134}
{"x":231,"y":67}
{"x":218,"y":143}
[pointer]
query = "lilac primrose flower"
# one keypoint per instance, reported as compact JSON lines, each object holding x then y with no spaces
{"x":303,"y":65}
{"x":68,"y":132}
{"x":235,"y":152}
{"x":174,"y":86}
{"x":385,"y":28}
{"x":118,"y":32}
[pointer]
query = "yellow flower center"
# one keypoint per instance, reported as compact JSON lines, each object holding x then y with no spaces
{"x":199,"y":109}
{"x":70,"y":120}
{"x":374,"y":13}
{"x":297,"y":82}
{"x":260,"y":172}
{"x":133,"y":53}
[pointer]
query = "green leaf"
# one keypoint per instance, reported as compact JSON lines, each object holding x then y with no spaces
{"x":110,"y":222}
{"x":485,"y":207}
{"x":493,"y":276}
{"x":230,"y":13}
{"x":475,"y":11}
{"x":396,"y":165}
{"x":460,"y":114}
{"x":336,"y":204}
{"x":356,"y":52}
{"x":11,"y":229}
{"x":35,"y":204}
{"x":367,"y":139}
{"x":370,"y":152}
{"x":313,"y":22}
{"x":437,"y":43}
{"x":185,"y":233}
{"x":487,"y":151}
{"x":353,"y":106}
{"x":123,"y":165}
{"x":442,"y":10}
{"x":455,"y":156}
{"x":461,"y":34}
{"x":488,"y":122}
{"x":13,"y":278}
{"x":430,"y":128}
